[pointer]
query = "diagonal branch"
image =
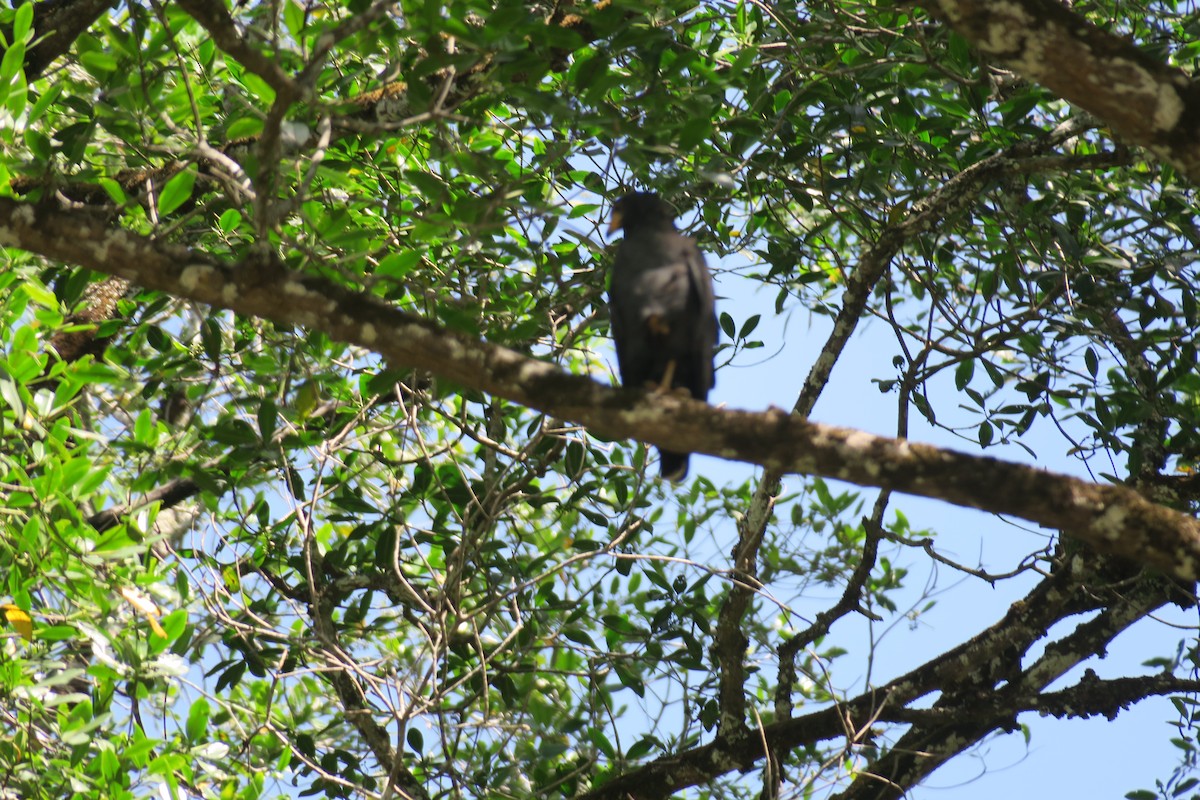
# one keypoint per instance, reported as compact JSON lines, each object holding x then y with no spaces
{"x":924,"y":748}
{"x":1112,"y":519}
{"x":214,"y":18}
{"x":992,"y":656}
{"x":1143,"y":100}
{"x":1092,"y":696}
{"x":56,"y":26}
{"x":947,"y":201}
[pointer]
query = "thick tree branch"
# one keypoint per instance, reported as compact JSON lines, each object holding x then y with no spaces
{"x":1108,"y":698}
{"x":215,"y":19}
{"x":100,"y":304}
{"x":947,"y":201}
{"x":170,"y":495}
{"x":1112,"y":519}
{"x":964,"y":675}
{"x":1144,"y":101}
{"x":56,"y":26}
{"x":924,"y":748}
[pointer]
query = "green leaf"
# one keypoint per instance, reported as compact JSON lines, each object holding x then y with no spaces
{"x":40,"y":294}
{"x":12,"y":398}
{"x":177,"y":191}
{"x":963,"y":374}
{"x":985,"y":434}
{"x":748,"y":326}
{"x":113,"y":190}
{"x":629,"y":679}
{"x":48,"y":97}
{"x":99,"y":63}
{"x":197,"y":720}
{"x":38,"y":144}
{"x":727,"y":325}
{"x":642,"y":748}
{"x":144,"y":429}
{"x":18,"y":96}
{"x":244,"y":127}
{"x":603,"y":744}
{"x":22,"y":23}
{"x":579,"y":636}
{"x":293,"y":18}
{"x":229,"y":220}
{"x":12,"y":63}
{"x":397,"y":266}
{"x":268,"y":415}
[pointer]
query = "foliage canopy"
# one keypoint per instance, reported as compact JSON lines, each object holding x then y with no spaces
{"x":272,"y":547}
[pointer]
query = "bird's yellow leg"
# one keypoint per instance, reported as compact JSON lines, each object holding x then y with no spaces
{"x":668,"y":378}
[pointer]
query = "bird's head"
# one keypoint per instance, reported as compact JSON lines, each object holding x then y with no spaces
{"x":640,"y":209}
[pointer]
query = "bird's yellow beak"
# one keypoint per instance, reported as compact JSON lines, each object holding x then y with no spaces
{"x":614,"y":222}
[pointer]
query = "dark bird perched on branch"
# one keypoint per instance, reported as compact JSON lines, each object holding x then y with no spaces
{"x":662,"y":308}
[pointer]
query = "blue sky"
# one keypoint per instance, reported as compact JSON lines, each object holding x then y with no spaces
{"x":1072,"y":758}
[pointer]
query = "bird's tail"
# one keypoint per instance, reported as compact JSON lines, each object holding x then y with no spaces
{"x":673,"y":466}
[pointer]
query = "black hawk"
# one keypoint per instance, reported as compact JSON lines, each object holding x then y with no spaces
{"x":662,"y":308}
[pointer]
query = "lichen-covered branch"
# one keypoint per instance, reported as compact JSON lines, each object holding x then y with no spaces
{"x":991,"y":700}
{"x":946,"y":202}
{"x":1112,"y":519}
{"x":967,"y":677}
{"x":214,"y":18}
{"x":56,"y":26}
{"x":1144,"y":101}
